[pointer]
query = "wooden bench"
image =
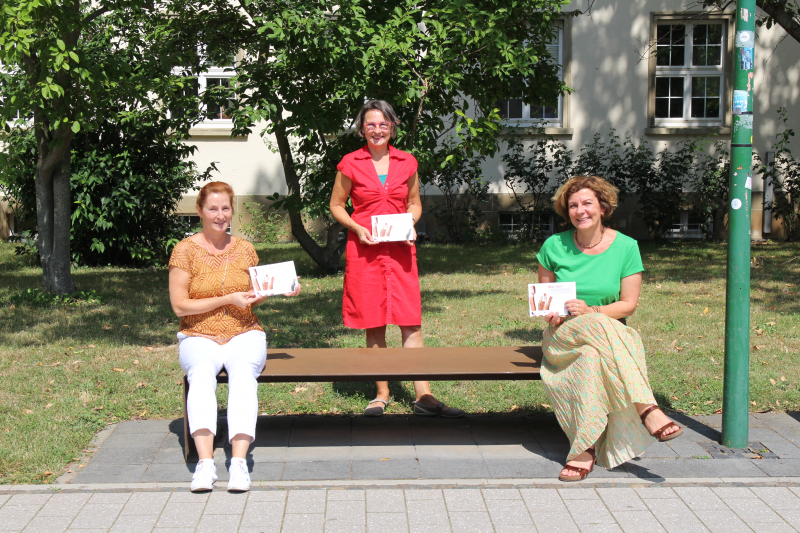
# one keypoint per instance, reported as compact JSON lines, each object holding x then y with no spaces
{"x":392,"y":364}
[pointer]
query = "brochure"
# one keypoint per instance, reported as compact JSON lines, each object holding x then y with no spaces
{"x":277,"y":278}
{"x":546,"y":298}
{"x":386,"y":228}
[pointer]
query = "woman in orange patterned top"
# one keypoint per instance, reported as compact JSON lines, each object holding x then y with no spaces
{"x":209,"y":288}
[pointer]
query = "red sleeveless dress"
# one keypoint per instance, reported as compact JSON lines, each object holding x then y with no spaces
{"x":381,"y":282}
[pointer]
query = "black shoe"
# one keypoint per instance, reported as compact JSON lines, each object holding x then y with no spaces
{"x":420,"y":409}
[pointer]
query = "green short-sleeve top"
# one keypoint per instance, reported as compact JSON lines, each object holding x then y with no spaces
{"x":597,"y":277}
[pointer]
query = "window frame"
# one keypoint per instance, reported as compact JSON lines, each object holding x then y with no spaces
{"x":510,"y":230}
{"x":209,"y":126}
{"x":559,"y":126}
{"x":686,"y":124}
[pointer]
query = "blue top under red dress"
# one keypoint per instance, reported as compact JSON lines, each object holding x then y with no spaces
{"x":381,"y":281}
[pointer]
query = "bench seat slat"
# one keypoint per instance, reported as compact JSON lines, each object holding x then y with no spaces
{"x":399,"y":364}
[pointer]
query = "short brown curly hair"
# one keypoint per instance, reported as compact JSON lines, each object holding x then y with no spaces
{"x":605,"y":192}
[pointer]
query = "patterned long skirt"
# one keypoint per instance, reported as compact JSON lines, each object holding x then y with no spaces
{"x":594,"y":370}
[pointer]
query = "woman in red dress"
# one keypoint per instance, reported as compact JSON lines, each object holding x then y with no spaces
{"x":381,"y":282}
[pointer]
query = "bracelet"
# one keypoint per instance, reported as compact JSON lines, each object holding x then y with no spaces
{"x":596,"y":308}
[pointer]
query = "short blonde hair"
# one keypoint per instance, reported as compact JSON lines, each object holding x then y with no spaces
{"x":605,"y":192}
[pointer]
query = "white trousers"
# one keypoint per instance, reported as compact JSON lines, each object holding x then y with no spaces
{"x":243,"y":358}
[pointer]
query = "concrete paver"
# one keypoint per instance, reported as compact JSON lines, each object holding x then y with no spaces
{"x":497,"y":474}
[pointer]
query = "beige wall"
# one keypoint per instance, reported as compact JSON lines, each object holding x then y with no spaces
{"x":610,"y":82}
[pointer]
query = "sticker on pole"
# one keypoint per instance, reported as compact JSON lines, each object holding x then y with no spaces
{"x":748,"y":183}
{"x":736,"y":203}
{"x":739,"y":102}
{"x":745,"y":39}
{"x":745,"y":58}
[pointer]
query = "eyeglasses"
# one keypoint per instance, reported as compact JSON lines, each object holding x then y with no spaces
{"x":383,"y":126}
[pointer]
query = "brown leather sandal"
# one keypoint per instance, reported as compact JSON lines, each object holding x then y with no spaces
{"x":582,"y":472}
{"x":659,"y":433}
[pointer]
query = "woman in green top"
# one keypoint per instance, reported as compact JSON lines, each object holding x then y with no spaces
{"x":594,"y":366}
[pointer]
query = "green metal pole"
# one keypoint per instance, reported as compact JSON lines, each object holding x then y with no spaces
{"x":736,"y":392}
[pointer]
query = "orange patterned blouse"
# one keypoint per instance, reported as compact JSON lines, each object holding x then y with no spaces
{"x":208,"y":273}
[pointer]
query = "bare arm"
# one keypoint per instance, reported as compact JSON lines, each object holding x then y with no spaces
{"x":629,"y":290}
{"x":341,"y":191}
{"x":414,"y":202}
{"x":183,"y":305}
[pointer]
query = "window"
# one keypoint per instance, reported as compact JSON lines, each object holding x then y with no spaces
{"x":690,"y":72}
{"x":514,"y":222}
{"x":689,"y":227}
{"x":216,"y":81}
{"x":515,"y":112}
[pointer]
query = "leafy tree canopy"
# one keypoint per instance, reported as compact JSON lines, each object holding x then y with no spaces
{"x":309,"y":65}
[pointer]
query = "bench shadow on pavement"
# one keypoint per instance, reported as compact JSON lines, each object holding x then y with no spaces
{"x":310,"y":447}
{"x":498,"y":446}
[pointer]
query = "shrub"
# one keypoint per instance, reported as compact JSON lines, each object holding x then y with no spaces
{"x":710,"y":185}
{"x":784,"y":175}
{"x":463,"y":189}
{"x":532,"y":176}
{"x":127,"y":179}
{"x":265,"y":226}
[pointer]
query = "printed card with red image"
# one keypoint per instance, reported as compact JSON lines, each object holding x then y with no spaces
{"x":387,"y":228}
{"x":546,"y":298}
{"x":277,"y":278}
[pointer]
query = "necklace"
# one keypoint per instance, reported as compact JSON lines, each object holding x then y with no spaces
{"x":575,"y":235}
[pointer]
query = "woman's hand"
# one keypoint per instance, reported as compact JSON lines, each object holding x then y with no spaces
{"x":553,"y":319}
{"x":364,"y":235}
{"x":413,"y":238}
{"x":577,"y":307}
{"x":242,"y":299}
{"x":295,"y":292}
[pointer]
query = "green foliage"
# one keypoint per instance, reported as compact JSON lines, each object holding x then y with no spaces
{"x":710,"y":185}
{"x":17,"y":170}
{"x":463,"y":189}
{"x":659,"y":179}
{"x":533,"y":178}
{"x":72,"y":67}
{"x":39,"y":298}
{"x":26,"y":246}
{"x":126,"y":181}
{"x":443,"y":65}
{"x":602,"y":158}
{"x":784,"y":175}
{"x":265,"y":226}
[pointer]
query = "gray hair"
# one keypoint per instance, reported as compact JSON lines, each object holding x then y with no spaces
{"x":378,"y":105}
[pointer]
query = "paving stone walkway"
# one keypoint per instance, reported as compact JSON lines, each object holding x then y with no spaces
{"x":297,"y":448}
{"x":680,"y":509}
{"x":397,"y":473}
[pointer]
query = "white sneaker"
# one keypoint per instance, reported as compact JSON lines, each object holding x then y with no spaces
{"x":205,"y":474}
{"x":239,"y":479}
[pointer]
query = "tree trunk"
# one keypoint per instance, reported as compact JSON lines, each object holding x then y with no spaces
{"x":54,"y":210}
{"x":327,"y":258}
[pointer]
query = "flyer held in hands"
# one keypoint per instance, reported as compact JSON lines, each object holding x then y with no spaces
{"x":546,"y":298}
{"x":277,"y":278}
{"x":386,"y":228}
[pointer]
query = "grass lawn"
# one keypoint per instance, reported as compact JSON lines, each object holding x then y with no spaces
{"x":69,"y":370}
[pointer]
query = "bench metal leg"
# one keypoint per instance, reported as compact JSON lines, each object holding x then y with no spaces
{"x":188,"y":440}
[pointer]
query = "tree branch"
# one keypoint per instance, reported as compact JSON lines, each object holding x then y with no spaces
{"x":778,"y":11}
{"x":99,"y":12}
